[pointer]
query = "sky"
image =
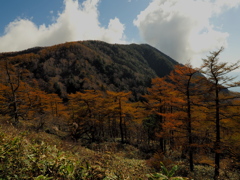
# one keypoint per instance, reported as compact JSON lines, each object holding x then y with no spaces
{"x":186,"y":30}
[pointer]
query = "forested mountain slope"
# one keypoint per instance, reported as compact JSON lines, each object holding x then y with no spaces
{"x":186,"y":118}
{"x":75,"y":66}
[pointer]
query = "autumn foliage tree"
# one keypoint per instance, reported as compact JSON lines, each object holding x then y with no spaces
{"x":174,"y":99}
{"x":85,"y":110}
{"x":21,"y":99}
{"x":170,"y":99}
{"x":159,"y":103}
{"x":120,"y":107}
{"x":216,"y":73}
{"x":185,"y":80}
{"x":13,"y":89}
{"x":100,"y":115}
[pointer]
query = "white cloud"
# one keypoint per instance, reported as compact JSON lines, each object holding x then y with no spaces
{"x":76,"y":22}
{"x":222,"y":5}
{"x":182,"y":28}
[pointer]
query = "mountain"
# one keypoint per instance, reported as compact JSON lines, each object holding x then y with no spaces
{"x":75,"y":66}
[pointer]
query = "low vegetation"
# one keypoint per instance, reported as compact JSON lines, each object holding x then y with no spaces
{"x":31,"y":155}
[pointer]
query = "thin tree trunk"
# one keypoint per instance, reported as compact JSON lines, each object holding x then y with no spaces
{"x":190,"y":141}
{"x":120,"y":122}
{"x":14,"y":96}
{"x":217,"y":142}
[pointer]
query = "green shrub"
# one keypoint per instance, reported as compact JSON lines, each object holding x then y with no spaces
{"x":19,"y":159}
{"x":165,"y":174}
{"x":157,"y":157}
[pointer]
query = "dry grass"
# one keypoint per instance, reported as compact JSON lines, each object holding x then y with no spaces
{"x":120,"y":161}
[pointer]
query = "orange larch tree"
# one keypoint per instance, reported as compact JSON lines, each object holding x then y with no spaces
{"x":119,"y":105}
{"x":11,"y":79}
{"x":185,"y":80}
{"x":86,"y":112}
{"x":161,"y":102}
{"x":218,"y":80}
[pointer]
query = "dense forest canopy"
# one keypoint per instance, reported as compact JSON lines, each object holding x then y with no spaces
{"x":76,"y":66}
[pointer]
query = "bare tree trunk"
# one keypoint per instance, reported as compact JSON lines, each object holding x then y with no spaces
{"x":121,"y":121}
{"x":217,"y":141}
{"x":14,"y":93}
{"x":189,"y":128}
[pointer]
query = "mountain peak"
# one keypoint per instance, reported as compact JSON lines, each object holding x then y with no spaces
{"x":75,"y":66}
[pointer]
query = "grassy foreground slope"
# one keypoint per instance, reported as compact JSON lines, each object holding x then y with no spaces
{"x":31,"y":155}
